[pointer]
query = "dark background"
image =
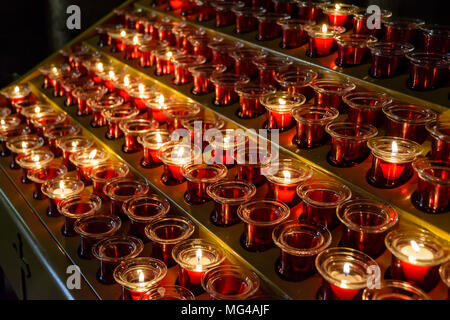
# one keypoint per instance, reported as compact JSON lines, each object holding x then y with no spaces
{"x":30,"y":30}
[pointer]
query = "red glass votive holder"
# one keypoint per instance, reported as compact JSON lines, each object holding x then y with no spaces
{"x":243,"y":60}
{"x":11,"y":126}
{"x":167,"y":232}
{"x":103,"y":173}
{"x":225,"y":84}
{"x":310,"y":10}
{"x":224,"y":145}
{"x":367,"y":222}
{"x":146,"y":50}
{"x":395,"y":290}
{"x":320,"y":200}
{"x":352,"y":49}
{"x":221,"y":50}
{"x":38,"y":176}
{"x":33,"y":160}
{"x":86,"y":159}
{"x":139,"y":93}
{"x":199,"y":43}
{"x":439,"y":132}
{"x":198,"y":128}
{"x":253,"y":162}
{"x":23,"y":144}
{"x":46,"y":121}
{"x":260,"y":217}
{"x":201,"y":77}
{"x":329,"y":92}
{"x":108,"y":101}
{"x":285,"y":6}
{"x":245,"y":19}
{"x":444,"y":272}
{"x":199,"y":177}
{"x":268,"y":27}
{"x":230,"y":282}
{"x":59,"y":131}
{"x":205,"y":11}
{"x":339,"y":14}
{"x":151,"y":143}
{"x":17,"y":106}
{"x":168,"y":293}
{"x":182,"y":62}
{"x":427,"y":70}
{"x":119,"y":190}
{"x":279,"y":106}
{"x":195,"y":257}
{"x":366,"y":107}
{"x":59,"y":189}
{"x":344,"y":273}
{"x":165,"y":33}
{"x":155,"y":105}
{"x":322,"y":40}
{"x":401,"y":29}
{"x":17,"y":92}
{"x":132,"y":129}
{"x":408,"y":121}
{"x":182,"y":31}
{"x":77,"y":207}
{"x":164,"y":65}
{"x":433,"y":188}
{"x":71,"y":145}
{"x":83,"y":94}
{"x":293,"y":33}
{"x":177,"y":112}
{"x":92,"y":229}
{"x":138,"y":275}
{"x":416,"y":257}
{"x":349,"y":143}
{"x":143,"y":210}
{"x":360,"y":22}
{"x":132,"y":43}
{"x":228,"y":195}
{"x":268,"y":67}
{"x":112,"y":251}
{"x":387,"y":58}
{"x":391,"y":161}
{"x":435,"y":38}
{"x":297,"y":81}
{"x":250,"y":96}
{"x":224,"y":15}
{"x":286,"y":175}
{"x":174,"y":156}
{"x":115,"y":116}
{"x":299,"y":243}
{"x":35,"y":110}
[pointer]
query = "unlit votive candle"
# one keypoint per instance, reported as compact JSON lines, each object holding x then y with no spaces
{"x":105,"y":172}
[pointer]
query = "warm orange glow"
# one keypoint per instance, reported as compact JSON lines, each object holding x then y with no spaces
{"x":324,"y":28}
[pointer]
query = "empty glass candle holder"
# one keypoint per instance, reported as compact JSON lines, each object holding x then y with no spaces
{"x":329,"y":92}
{"x":45,"y":121}
{"x":416,"y":257}
{"x":427,"y":70}
{"x":244,"y":60}
{"x":133,"y":129}
{"x":391,"y":161}
{"x":38,"y":176}
{"x":221,"y":50}
{"x":119,"y":190}
{"x":151,"y":143}
{"x":297,"y":81}
{"x":439,"y":132}
{"x":165,"y":233}
{"x":198,"y":128}
{"x":177,"y":112}
{"x":349,"y":143}
{"x":33,"y":160}
{"x":225,"y":93}
{"x":4,"y":112}
{"x":182,"y":62}
{"x":77,"y":207}
{"x":433,"y":187}
{"x":82,"y":94}
{"x":164,"y":65}
{"x":224,"y":15}
{"x":408,"y":121}
{"x":253,"y":162}
{"x":168,"y":293}
{"x":401,"y":29}
{"x":367,"y":222}
{"x":344,"y":273}
{"x":147,"y":50}
{"x":143,"y":210}
{"x":361,"y":25}
{"x":112,"y":251}
{"x":320,"y":199}
{"x":105,"y":172}
{"x":352,"y":49}
{"x":199,"y":43}
{"x":86,"y":159}
{"x":250,"y":96}
{"x":279,"y":106}
{"x":268,"y":27}
{"x":395,"y":290}
{"x":201,"y":77}
{"x":269,"y":66}
{"x":71,"y":145}
{"x":94,"y":228}
{"x":245,"y":19}
{"x":293,"y":33}
{"x":195,"y":257}
{"x":165,"y":33}
{"x":435,"y":38}
{"x":115,"y":116}
{"x":387,"y":58}
{"x":182,"y":31}
{"x":205,"y":11}
{"x":223,"y":147}
{"x":58,"y":131}
{"x":59,"y":189}
{"x":23,"y":144}
{"x":106,"y":102}
{"x":322,"y":40}
{"x":299,"y":243}
{"x":230,"y":282}
{"x":310,"y":10}
{"x":366,"y":107}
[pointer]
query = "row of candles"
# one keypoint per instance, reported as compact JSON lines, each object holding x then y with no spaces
{"x":428,"y":65}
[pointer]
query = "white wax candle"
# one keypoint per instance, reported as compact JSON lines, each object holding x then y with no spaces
{"x":414,"y":251}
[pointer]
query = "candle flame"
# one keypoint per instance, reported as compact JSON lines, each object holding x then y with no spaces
{"x":282,"y":101}
{"x":37,"y":110}
{"x":92,"y":154}
{"x":415,"y":246}
{"x":394,"y":147}
{"x":112,"y":75}
{"x":24,"y":145}
{"x":161,"y":100}
{"x":35,"y":158}
{"x":100,"y":67}
{"x":324,"y":28}
{"x":135,"y":39}
{"x":2,"y":122}
{"x":61,"y":185}
{"x":126,"y":81}
{"x":54,"y":70}
{"x":141,"y":88}
{"x":123,"y":33}
{"x":141,"y":278}
{"x":346,"y":269}
{"x":180,"y":152}
{"x":337,"y":6}
{"x":287,"y":175}
{"x":16,"y":89}
{"x":198,"y":256}
{"x":169,"y":54}
{"x":74,"y":144}
{"x":158,"y":138}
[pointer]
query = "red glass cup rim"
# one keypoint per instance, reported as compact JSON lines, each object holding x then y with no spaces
{"x":24,"y":143}
{"x":136,"y":127}
{"x":383,"y":211}
{"x":62,"y":130}
{"x":240,"y":9}
{"x":316,"y":31}
{"x":342,"y":192}
{"x":223,"y":45}
{"x":343,"y":9}
{"x":271,"y":62}
{"x":298,"y":172}
{"x":9,"y":122}
{"x":252,"y":282}
{"x":271,"y":16}
{"x":335,"y":259}
{"x":208,"y":122}
{"x":281,"y":210}
{"x":189,"y":172}
{"x":183,"y":29}
{"x":397,"y":112}
{"x":35,"y":159}
{"x":312,"y":4}
{"x":405,"y":151}
{"x":429,"y":59}
{"x":402,"y":23}
{"x":34,"y":174}
{"x":332,"y":86}
{"x":221,"y":5}
{"x":395,"y":290}
{"x":150,"y":140}
{"x":181,"y":110}
{"x":435,"y":30}
{"x":282,"y":101}
{"x":110,"y":188}
{"x":298,"y":77}
{"x":228,"y":80}
{"x":255,"y":156}
{"x":87,"y":158}
{"x":298,"y":24}
{"x":16,"y":91}
{"x":152,"y":44}
{"x":36,"y":109}
{"x":236,"y":138}
{"x":444,"y":272}
{"x":206,"y":70}
{"x":82,"y":226}
{"x":74,"y":185}
{"x":74,"y":143}
{"x":435,"y":128}
{"x":120,"y":168}
{"x":164,"y":292}
{"x":247,"y":53}
{"x":184,"y":60}
{"x":320,"y":233}
{"x":247,"y":189}
{"x":351,"y":131}
{"x":362,"y":13}
{"x":89,"y":92}
{"x":134,"y":245}
{"x":120,"y":113}
{"x":93,"y":204}
{"x":355,"y":40}
{"x":252,"y":90}
{"x":390,"y":49}
{"x":48,"y":120}
{"x":359,"y":100}
{"x":145,"y":266}
{"x":164,"y":52}
{"x":427,"y":170}
{"x":184,"y":224}
{"x":190,"y":154}
{"x":397,"y":239}
{"x":129,"y":207}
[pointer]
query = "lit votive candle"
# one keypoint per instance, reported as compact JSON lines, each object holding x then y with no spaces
{"x":329,"y":92}
{"x":391,"y":161}
{"x":439,"y":132}
{"x":47,"y":120}
{"x":58,"y":189}
{"x":38,"y":176}
{"x":132,"y":43}
{"x":71,"y":145}
{"x":35,"y":110}
{"x":23,"y":144}
{"x":395,"y":290}
{"x":366,"y":107}
{"x":132,"y":129}
{"x":163,"y":61}
{"x":115,"y":116}
{"x":322,"y":40}
{"x":118,"y":37}
{"x":10,"y":127}
{"x":339,"y":14}
{"x":86,"y":159}
{"x":33,"y":160}
{"x":155,"y":105}
{"x":17,"y":92}
{"x":416,"y":257}
{"x":224,"y":144}
{"x":139,"y":93}
{"x":279,"y":106}
{"x":195,"y":257}
{"x":344,"y":272}
{"x":151,"y":143}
